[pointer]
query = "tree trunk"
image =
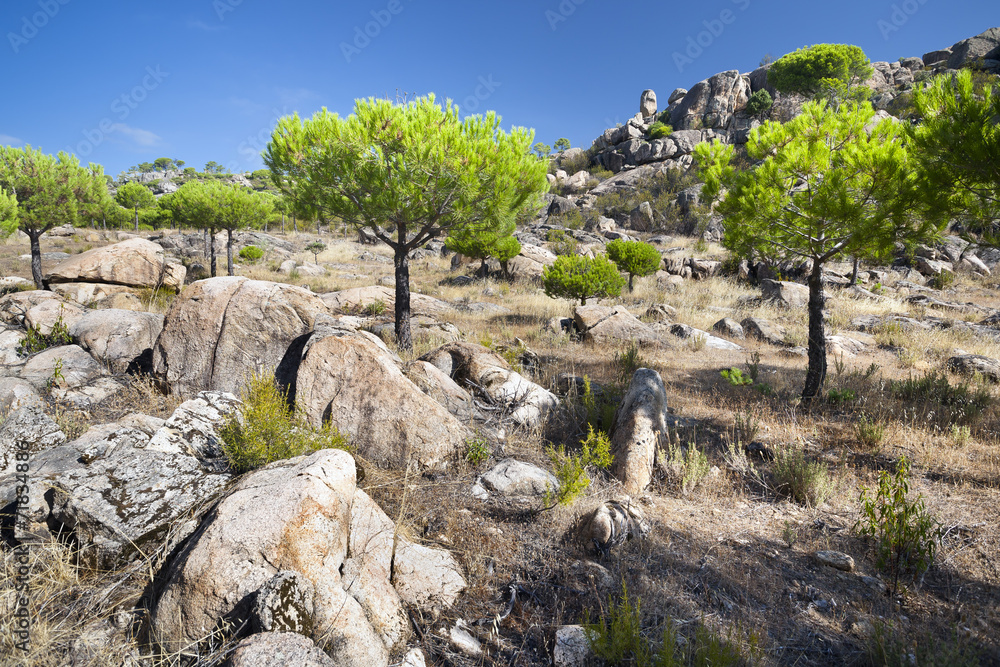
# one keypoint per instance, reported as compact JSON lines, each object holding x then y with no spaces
{"x":816,"y":374}
{"x":206,"y":243}
{"x":137,"y":219}
{"x":36,"y":259}
{"x":402,"y":263}
{"x":104,"y":222}
{"x":854,"y":272}
{"x":295,"y":224}
{"x":211,"y":246}
{"x":630,"y":276}
{"x":282,"y":223}
{"x":229,"y":250}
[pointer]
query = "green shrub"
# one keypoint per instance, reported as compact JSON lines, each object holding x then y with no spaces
{"x":35,"y":341}
{"x":942,"y":280}
{"x":746,"y":424}
{"x":626,"y":362}
{"x":562,"y":243}
{"x":869,"y":431}
{"x":951,"y":404}
{"x":759,"y":103}
{"x":618,"y":639}
{"x":906,"y":535}
{"x":735,"y":377}
{"x":599,"y":407}
{"x":659,"y":130}
{"x":576,"y":277}
{"x":375,"y":308}
{"x":688,"y":466}
{"x":266,"y":429}
{"x":477,"y":451}
{"x":571,"y":469}
{"x":251,"y":253}
{"x":634,"y":258}
{"x":809,"y":69}
{"x":806,"y":482}
{"x":316,"y":247}
{"x":841,"y":396}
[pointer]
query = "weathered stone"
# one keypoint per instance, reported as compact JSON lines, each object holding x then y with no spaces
{"x":707,"y":340}
{"x":117,"y":338}
{"x":640,"y":421}
{"x":615,"y":325}
{"x":16,"y":393}
{"x":439,"y":386}
{"x":835,"y":559}
{"x":765,"y":330}
{"x":785,"y":293}
{"x":711,"y":103}
{"x":517,"y":478}
{"x":135,"y":262}
{"x":647,"y":103}
{"x":612,"y":523}
{"x":525,"y":402}
{"x":284,"y":604}
{"x":76,"y":368}
{"x":572,"y":648}
{"x":14,"y":306}
{"x":279,"y":649}
{"x":47,"y":314}
{"x":291,"y":515}
{"x":352,"y":381}
{"x":10,"y":341}
{"x":970,"y":364}
{"x":87,"y":294}
{"x":27,"y":431}
{"x":193,"y":428}
{"x":930,"y":267}
{"x":426,"y":578}
{"x":220,"y":330}
{"x":729,"y":327}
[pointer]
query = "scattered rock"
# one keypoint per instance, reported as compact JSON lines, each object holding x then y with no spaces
{"x":729,"y":327}
{"x":572,"y":648}
{"x":639,"y":422}
{"x":969,"y":364}
{"x":117,"y":338}
{"x":517,"y":478}
{"x":612,"y":524}
{"x":356,"y":300}
{"x":278,"y":649}
{"x":76,"y":368}
{"x":28,"y":430}
{"x":765,"y":330}
{"x":462,"y":640}
{"x":429,"y":579}
{"x":785,"y":293}
{"x":835,"y":559}
{"x":712,"y":342}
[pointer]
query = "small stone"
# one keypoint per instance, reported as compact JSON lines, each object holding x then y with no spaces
{"x":572,"y":648}
{"x":835,"y":559}
{"x":463,"y":640}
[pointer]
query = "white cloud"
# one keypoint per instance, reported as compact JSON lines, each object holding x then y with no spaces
{"x":7,"y":140}
{"x":138,"y":136}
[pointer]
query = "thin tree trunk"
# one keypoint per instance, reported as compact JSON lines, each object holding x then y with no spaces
{"x":104,"y":222}
{"x":229,"y":250}
{"x":137,"y":219}
{"x":36,"y":259}
{"x":854,"y":272}
{"x":206,"y":243}
{"x":816,"y":374}
{"x":282,"y":222}
{"x":211,"y":246}
{"x":630,"y":276}
{"x":295,"y":224}
{"x":401,"y":260}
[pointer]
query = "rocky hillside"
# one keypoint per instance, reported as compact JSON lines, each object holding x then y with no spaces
{"x":640,"y":465}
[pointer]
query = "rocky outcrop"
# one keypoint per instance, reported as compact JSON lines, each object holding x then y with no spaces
{"x":66,"y":366}
{"x":711,"y":103}
{"x":117,"y":338}
{"x":220,"y":330}
{"x":647,"y":103}
{"x":517,"y":478}
{"x":278,"y":649}
{"x":971,"y":364}
{"x":985,"y":46}
{"x":351,"y":379}
{"x":640,"y":421}
{"x":135,"y":262}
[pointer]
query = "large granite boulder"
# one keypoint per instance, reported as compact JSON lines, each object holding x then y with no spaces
{"x":220,"y":330}
{"x":711,"y":103}
{"x":117,"y":338}
{"x":135,"y":262}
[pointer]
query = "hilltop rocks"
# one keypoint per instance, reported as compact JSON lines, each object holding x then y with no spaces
{"x":27,"y":430}
{"x":135,"y":262}
{"x":639,"y":422}
{"x":985,"y":45}
{"x":352,"y":380}
{"x":76,"y":368}
{"x":711,"y":103}
{"x":221,"y":329}
{"x":647,"y":103}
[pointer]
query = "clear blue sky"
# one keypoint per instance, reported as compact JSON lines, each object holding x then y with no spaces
{"x":120,"y":83}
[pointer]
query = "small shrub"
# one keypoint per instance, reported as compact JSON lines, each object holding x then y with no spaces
{"x":582,"y":278}
{"x":35,"y":341}
{"x":959,"y":403}
{"x":870,"y":432}
{"x":906,"y":536}
{"x":887,"y":646}
{"x":806,"y":482}
{"x":251,"y":253}
{"x":960,"y":435}
{"x":746,"y":424}
{"x":735,"y":377}
{"x":659,"y":130}
{"x":626,"y":362}
{"x":841,"y":396}
{"x":687,"y":466}
{"x":942,"y":280}
{"x":375,"y":308}
{"x":599,"y":407}
{"x":759,"y":103}
{"x":562,"y":243}
{"x":753,"y":366}
{"x":266,"y":428}
{"x":697,"y":342}
{"x":571,"y":469}
{"x":477,"y":451}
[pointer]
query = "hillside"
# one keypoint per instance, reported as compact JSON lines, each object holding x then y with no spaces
{"x":455,"y":504}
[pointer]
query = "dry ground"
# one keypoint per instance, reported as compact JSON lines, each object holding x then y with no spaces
{"x":732,"y":552}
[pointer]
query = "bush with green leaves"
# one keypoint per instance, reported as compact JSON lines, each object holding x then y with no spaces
{"x":571,"y":469}
{"x":576,"y":277}
{"x":560,"y":242}
{"x":634,"y":258}
{"x":36,"y":341}
{"x":316,"y":247}
{"x":946,"y":403}
{"x":626,"y":362}
{"x":251,"y":253}
{"x":659,"y":130}
{"x":266,"y":428}
{"x":906,"y":536}
{"x":599,"y":406}
{"x":810,"y":69}
{"x":477,"y":451}
{"x":735,"y":377}
{"x":759,"y":103}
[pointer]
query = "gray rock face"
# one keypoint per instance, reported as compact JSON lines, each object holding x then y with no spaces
{"x":785,"y":293}
{"x":429,"y":579}
{"x":221,"y":329}
{"x":729,"y":327}
{"x":711,"y":103}
{"x":969,"y":364}
{"x":986,"y":45}
{"x":117,"y":338}
{"x":765,"y":330}
{"x":48,"y":313}
{"x":284,"y":604}
{"x":353,"y":381}
{"x":517,"y":478}
{"x":835,"y":559}
{"x":291,"y":515}
{"x":27,"y":430}
{"x":708,"y":340}
{"x":647,"y":103}
{"x":639,"y":422}
{"x":76,"y":368}
{"x":279,"y":649}
{"x":16,"y":393}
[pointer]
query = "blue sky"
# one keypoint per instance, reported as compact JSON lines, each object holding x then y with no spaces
{"x":199,"y":80}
